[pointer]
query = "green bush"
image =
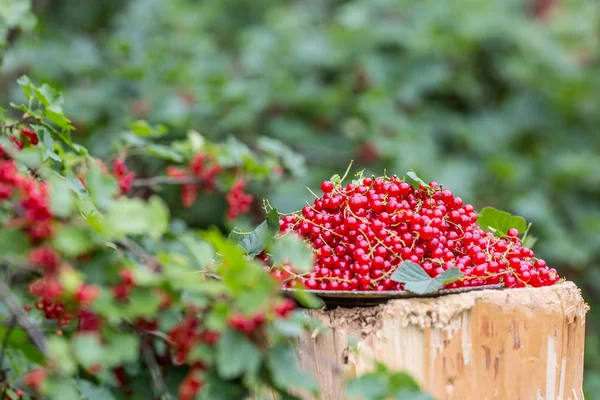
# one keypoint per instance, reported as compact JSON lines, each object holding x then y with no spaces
{"x":498,"y":100}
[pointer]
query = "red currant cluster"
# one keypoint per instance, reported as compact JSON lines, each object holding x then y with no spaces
{"x":203,"y":167}
{"x":34,"y":213}
{"x":123,"y":175}
{"x":239,"y":202}
{"x":30,"y":135}
{"x":50,"y":292}
{"x":122,"y":289}
{"x":27,"y":135}
{"x":187,"y":334}
{"x":191,"y":384}
{"x":36,"y":378}
{"x":34,"y":216}
{"x":360,"y":234}
{"x":190,"y":333}
{"x":250,"y":325}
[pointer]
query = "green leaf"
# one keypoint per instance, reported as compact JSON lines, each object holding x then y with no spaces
{"x":499,"y":222}
{"x":62,"y":199}
{"x":158,"y":217}
{"x":62,"y":389}
{"x":202,"y":252}
{"x":123,"y":348}
{"x":31,"y":157}
{"x":88,"y":349}
{"x":402,"y":381}
{"x":76,"y":186}
{"x":107,"y":307}
{"x":143,"y":128}
{"x":405,"y":394}
{"x":292,"y":248}
{"x":72,"y":241}
{"x":255,"y":242}
{"x":26,"y":86}
{"x":89,"y":391}
{"x":336,"y":179}
{"x":218,"y":389}
{"x":450,"y":275}
{"x":283,"y":365}
{"x":416,"y":280}
{"x":128,"y":217}
{"x":47,"y":95}
{"x":136,"y":217}
{"x":142,"y":303}
{"x":288,"y":328}
{"x":293,"y":161}
{"x":237,"y":356}
{"x":273,"y":220}
{"x":102,"y":188}
{"x":307,"y":299}
{"x":59,"y":350}
{"x":13,"y":242}
{"x":196,"y":141}
{"x":418,"y":181}
{"x":371,"y":386}
{"x":19,"y":339}
{"x":48,"y":143}
{"x":58,"y":118}
{"x":164,"y":152}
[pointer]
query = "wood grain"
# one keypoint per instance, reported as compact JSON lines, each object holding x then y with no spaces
{"x":516,"y":344}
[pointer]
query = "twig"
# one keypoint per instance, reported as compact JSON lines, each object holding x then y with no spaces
{"x":34,"y":333}
{"x":160,"y":335}
{"x":160,"y":388}
{"x":144,"y":257}
{"x":26,"y":120}
{"x":165,"y":180}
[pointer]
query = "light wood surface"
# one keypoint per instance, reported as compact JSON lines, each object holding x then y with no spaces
{"x":513,"y":344}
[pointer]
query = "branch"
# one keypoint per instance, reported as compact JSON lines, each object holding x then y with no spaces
{"x":34,"y":333}
{"x":25,"y":120}
{"x":160,"y":388}
{"x":140,"y":253}
{"x":165,"y":180}
{"x":160,"y":335}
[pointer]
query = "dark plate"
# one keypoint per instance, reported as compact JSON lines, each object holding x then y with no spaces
{"x":341,"y":298}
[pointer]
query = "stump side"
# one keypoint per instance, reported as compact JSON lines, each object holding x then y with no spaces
{"x":508,"y":344}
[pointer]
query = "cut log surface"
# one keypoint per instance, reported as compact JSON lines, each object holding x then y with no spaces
{"x":493,"y":344}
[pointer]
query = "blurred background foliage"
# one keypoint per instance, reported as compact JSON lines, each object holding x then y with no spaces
{"x":497,"y":100}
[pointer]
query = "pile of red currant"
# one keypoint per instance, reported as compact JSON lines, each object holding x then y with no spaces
{"x":361,"y":232}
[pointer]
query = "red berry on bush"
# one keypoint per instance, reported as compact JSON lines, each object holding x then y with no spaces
{"x":285,"y":308}
{"x":86,"y":294}
{"x":239,"y":202}
{"x":241,"y":323}
{"x":31,"y":135}
{"x":35,"y":379}
{"x":197,"y":164}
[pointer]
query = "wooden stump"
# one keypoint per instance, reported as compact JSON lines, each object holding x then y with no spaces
{"x":504,"y":344}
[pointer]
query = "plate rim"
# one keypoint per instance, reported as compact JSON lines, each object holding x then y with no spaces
{"x":390,"y":294}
